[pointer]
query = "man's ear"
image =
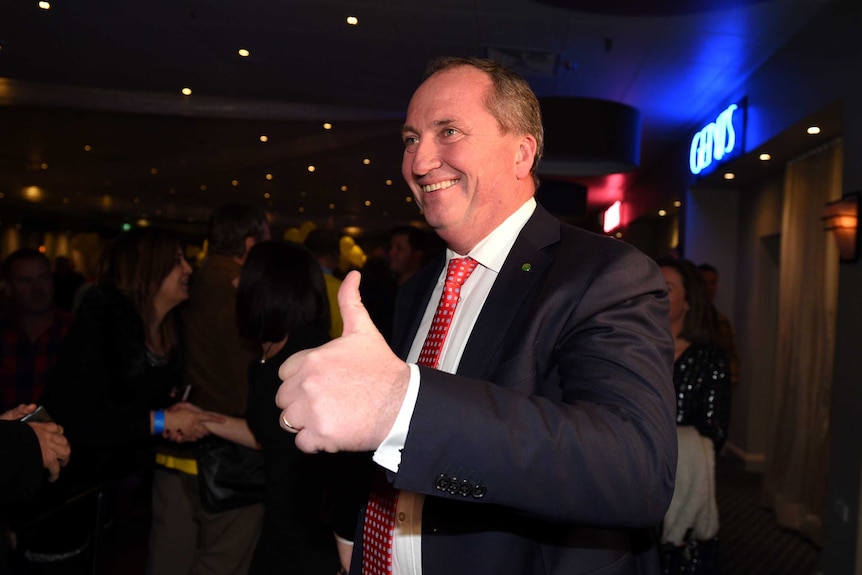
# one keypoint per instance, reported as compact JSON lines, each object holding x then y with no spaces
{"x":524,"y":157}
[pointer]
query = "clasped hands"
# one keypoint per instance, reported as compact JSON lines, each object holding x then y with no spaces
{"x":184,"y":422}
{"x":346,"y":394}
{"x":52,"y":442}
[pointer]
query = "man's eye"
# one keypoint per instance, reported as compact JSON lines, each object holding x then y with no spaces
{"x":449,"y":131}
{"x":410,"y":140}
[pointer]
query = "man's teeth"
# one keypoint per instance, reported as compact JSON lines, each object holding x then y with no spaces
{"x":439,"y":186}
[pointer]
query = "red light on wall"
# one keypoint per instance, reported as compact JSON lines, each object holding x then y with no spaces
{"x":611,"y":217}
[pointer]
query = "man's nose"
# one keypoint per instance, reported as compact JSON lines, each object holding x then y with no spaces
{"x":426,"y":157}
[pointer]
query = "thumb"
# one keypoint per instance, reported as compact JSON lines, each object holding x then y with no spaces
{"x":353,"y":313}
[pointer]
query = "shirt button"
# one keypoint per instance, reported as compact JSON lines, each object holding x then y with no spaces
{"x":402,"y":516}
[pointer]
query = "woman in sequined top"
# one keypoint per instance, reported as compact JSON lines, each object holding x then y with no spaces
{"x":702,"y":383}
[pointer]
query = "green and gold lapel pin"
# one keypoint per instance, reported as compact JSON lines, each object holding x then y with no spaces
{"x":526,"y":267}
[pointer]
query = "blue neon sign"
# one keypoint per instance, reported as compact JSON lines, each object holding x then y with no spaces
{"x":718,"y":141}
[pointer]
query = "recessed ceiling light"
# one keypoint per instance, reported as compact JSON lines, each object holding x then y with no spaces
{"x":729,"y":176}
{"x":44,"y":166}
{"x":662,"y":213}
{"x":234,"y":183}
{"x":366,"y":161}
{"x":813,"y":130}
{"x":327,"y":126}
{"x":343,"y":188}
{"x":765,"y":157}
{"x":203,"y":187}
{"x":88,"y":148}
{"x":331,"y":206}
{"x":388,"y":182}
{"x":409,"y":199}
{"x":154,"y":171}
{"x":264,"y":138}
{"x":44,"y":5}
{"x":186,"y":91}
{"x":243,"y":52}
{"x":352,"y":20}
{"x":677,"y":203}
{"x":268,"y":176}
{"x":266,"y":195}
{"x":311,"y":168}
{"x":367,"y":202}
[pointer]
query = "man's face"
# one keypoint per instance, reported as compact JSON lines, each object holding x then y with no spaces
{"x":710,"y":280}
{"x":465,"y":175}
{"x":32,"y":285}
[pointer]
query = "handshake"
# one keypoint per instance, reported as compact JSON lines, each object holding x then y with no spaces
{"x":53,"y":444}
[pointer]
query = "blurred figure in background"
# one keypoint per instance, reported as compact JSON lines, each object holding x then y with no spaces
{"x":719,"y":326}
{"x":282,"y":305}
{"x":702,"y":382}
{"x":406,"y":252}
{"x":66,"y":282}
{"x":31,"y":328}
{"x":324,"y":245}
{"x":185,"y":537}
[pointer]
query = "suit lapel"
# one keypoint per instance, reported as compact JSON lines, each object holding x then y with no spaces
{"x":525,"y":266}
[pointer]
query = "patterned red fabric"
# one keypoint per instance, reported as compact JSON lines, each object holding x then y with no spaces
{"x":379,"y":528}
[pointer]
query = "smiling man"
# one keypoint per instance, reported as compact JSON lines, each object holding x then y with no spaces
{"x":526,"y":423}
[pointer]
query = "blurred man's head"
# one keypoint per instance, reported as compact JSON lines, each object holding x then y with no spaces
{"x":406,"y":251}
{"x":31,"y":283}
{"x":235,"y":228}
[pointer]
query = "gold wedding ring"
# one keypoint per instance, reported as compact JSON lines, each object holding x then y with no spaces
{"x":286,"y":424}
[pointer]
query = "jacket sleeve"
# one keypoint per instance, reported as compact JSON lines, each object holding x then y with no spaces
{"x":22,"y":470}
{"x":575,"y":421}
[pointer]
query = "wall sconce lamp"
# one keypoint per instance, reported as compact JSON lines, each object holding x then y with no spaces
{"x":841,"y":217}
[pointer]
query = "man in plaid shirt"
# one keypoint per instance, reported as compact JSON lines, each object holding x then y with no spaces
{"x":31,"y":328}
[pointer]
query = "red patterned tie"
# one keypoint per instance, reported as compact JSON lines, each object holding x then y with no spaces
{"x":379,"y":527}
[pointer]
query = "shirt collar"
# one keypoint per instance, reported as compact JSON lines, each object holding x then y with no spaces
{"x":493,"y":249}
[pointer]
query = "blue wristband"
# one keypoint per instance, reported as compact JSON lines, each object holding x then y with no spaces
{"x":158,"y":422}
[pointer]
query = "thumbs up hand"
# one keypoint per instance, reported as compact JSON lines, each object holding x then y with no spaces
{"x":346,"y":394}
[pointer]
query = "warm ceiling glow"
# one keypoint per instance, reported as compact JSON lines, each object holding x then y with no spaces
{"x":352,"y":20}
{"x":268,"y":176}
{"x":44,"y":5}
{"x":343,"y":188}
{"x":88,"y":148}
{"x":662,"y":213}
{"x":367,"y":202}
{"x":203,"y":187}
{"x":33,"y":194}
{"x":813,"y":130}
{"x":266,"y":195}
{"x":264,"y":138}
{"x":186,"y":91}
{"x":677,"y":203}
{"x":764,"y":157}
{"x":327,"y":126}
{"x":331,"y":206}
{"x":366,"y":161}
{"x":154,"y":171}
{"x":301,"y":209}
{"x":388,"y":182}
{"x":311,"y":168}
{"x":234,"y":183}
{"x":142,"y":223}
{"x":65,"y":200}
{"x":44,"y":166}
{"x":243,"y":52}
{"x":729,"y":176}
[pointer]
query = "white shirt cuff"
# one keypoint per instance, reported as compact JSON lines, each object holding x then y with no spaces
{"x":388,"y":454}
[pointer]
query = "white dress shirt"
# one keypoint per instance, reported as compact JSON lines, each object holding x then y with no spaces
{"x":490,"y":253}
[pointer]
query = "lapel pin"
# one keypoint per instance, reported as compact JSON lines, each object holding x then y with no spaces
{"x":526,"y":267}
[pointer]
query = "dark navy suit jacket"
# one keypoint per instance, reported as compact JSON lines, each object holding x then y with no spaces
{"x":552,"y":450}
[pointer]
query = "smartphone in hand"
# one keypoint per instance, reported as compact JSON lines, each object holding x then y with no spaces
{"x":39,"y":414}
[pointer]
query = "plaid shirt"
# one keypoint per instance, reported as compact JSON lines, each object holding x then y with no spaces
{"x":24,"y":364}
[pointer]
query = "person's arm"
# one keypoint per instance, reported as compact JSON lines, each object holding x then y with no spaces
{"x":234,"y":429}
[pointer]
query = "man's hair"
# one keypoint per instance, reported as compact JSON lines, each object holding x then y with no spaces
{"x":230,"y":225}
{"x":705,"y":267}
{"x":323,"y":243}
{"x":281,"y":289}
{"x":415,"y":237}
{"x":21,"y":255}
{"x":511,"y":100}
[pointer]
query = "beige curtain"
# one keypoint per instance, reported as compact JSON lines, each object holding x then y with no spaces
{"x":796,"y":459}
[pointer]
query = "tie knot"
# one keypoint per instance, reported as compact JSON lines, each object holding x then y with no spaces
{"x":459,"y":270}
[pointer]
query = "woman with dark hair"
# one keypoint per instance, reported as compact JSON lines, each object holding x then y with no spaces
{"x":701,"y":379}
{"x":281,"y":304}
{"x":119,"y":366}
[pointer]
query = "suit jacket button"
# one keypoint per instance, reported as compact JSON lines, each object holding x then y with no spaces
{"x":453,"y":486}
{"x":442,"y":482}
{"x":465,"y":488}
{"x":479,"y":491}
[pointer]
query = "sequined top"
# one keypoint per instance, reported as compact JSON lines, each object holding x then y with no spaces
{"x":702,"y":382}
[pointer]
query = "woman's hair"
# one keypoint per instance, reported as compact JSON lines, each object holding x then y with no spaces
{"x":135,"y":263}
{"x":281,"y":289}
{"x":694,"y":327}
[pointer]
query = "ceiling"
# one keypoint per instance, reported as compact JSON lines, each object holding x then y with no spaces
{"x":95,"y":130}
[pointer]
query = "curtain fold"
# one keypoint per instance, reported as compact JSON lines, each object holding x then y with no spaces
{"x":797,"y":454}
